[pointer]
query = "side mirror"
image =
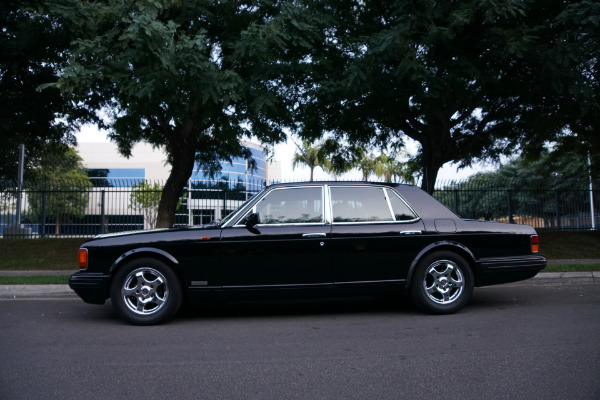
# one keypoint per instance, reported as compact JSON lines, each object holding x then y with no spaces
{"x":251,"y":220}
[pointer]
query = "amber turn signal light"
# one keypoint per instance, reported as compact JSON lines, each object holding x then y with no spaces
{"x":83,"y":258}
{"x":535,"y":243}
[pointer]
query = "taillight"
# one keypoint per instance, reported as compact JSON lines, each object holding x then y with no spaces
{"x":83,"y":258}
{"x":535,"y":243}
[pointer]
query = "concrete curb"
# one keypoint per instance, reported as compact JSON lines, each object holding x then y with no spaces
{"x":15,"y":292}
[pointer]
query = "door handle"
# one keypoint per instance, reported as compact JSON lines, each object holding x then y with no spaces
{"x":411,"y":232}
{"x":314,"y":235}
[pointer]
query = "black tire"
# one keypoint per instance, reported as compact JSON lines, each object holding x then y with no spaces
{"x":442,"y":283}
{"x":146,"y":291}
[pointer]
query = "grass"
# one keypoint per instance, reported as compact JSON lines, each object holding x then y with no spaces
{"x":52,"y":254}
{"x":34,"y":280}
{"x":572,"y":267}
{"x":560,"y":245}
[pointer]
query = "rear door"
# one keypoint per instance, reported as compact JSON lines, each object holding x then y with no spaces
{"x":374,"y":236}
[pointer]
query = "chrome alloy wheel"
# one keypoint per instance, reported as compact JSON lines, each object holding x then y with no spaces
{"x":145,"y":291}
{"x":443,"y":282}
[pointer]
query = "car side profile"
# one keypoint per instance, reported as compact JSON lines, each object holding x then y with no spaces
{"x":309,"y":239}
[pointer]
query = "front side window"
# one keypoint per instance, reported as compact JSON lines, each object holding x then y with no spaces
{"x":360,"y":204}
{"x":291,"y":206}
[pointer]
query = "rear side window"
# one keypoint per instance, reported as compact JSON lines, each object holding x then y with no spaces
{"x":401,"y":211}
{"x":359,"y":204}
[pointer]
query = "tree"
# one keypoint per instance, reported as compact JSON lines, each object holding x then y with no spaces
{"x":366,"y":163}
{"x":30,"y":45}
{"x":391,"y":169}
{"x":534,"y":185}
{"x":146,"y":197}
{"x":61,"y":187}
{"x":191,"y":77}
{"x":309,"y":154}
{"x":467,"y":80}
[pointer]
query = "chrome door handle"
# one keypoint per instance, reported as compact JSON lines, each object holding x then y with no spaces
{"x":411,"y":232}
{"x":314,"y":235}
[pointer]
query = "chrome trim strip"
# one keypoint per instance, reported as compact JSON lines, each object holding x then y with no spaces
{"x":387,"y":199}
{"x":378,"y":222}
{"x":368,"y":282}
{"x":278,"y":286}
{"x":296,"y":285}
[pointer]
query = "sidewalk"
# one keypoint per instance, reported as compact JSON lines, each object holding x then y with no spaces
{"x":15,"y":292}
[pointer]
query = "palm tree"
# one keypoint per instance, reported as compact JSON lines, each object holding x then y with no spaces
{"x":365,"y":163}
{"x":310,"y":155}
{"x":391,"y":169}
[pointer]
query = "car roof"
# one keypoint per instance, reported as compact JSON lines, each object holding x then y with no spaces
{"x":335,"y":183}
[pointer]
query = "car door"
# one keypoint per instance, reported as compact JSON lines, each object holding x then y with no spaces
{"x":288,"y":247}
{"x":374,"y":236}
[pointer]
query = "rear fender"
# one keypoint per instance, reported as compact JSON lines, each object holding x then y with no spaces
{"x":441,"y":245}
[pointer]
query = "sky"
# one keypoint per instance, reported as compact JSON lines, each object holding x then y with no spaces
{"x":284,"y":153}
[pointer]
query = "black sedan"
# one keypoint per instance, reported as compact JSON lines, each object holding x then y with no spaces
{"x":309,"y":239}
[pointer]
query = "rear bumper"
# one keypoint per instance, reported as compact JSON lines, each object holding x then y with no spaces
{"x":495,"y":271}
{"x":93,"y":288}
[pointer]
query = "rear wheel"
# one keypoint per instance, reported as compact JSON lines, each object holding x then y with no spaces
{"x":442,"y":283}
{"x":146,"y":291}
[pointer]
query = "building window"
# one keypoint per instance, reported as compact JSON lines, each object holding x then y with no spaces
{"x":116,"y":177}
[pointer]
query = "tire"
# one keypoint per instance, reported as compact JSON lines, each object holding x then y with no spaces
{"x":442,"y":283}
{"x":146,"y":291}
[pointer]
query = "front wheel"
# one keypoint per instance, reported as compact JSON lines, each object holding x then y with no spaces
{"x":146,"y":291}
{"x":442,"y":283}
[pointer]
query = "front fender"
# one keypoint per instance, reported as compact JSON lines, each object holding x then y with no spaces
{"x":143,"y":251}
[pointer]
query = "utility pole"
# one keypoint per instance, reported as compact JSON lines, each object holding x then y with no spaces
{"x":20,"y":183}
{"x":591,"y":193}
{"x":17,"y":230}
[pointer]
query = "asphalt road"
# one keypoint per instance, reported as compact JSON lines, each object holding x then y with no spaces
{"x":511,"y":342}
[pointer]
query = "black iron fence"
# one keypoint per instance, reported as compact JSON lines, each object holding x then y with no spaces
{"x":81,"y":209}
{"x":543,"y":207}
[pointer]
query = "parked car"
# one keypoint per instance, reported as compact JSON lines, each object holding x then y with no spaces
{"x":309,"y":239}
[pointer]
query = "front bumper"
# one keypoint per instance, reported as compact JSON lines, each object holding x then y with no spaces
{"x":495,"y":271}
{"x":92,"y":287}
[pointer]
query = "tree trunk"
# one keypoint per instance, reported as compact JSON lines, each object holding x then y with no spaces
{"x":431,"y":163}
{"x":182,"y":167}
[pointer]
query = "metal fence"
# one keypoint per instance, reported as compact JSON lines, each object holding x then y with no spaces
{"x":83,"y":209}
{"x":543,"y":207}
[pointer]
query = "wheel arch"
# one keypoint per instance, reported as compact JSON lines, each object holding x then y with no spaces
{"x":146,"y":252}
{"x":446,"y":245}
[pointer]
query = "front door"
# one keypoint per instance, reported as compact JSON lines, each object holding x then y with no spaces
{"x":289,"y":247}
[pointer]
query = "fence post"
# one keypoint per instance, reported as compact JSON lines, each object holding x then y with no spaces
{"x":102,"y":214}
{"x":556,"y":197}
{"x":456,"y":201}
{"x":510,"y":213}
{"x":44,"y":213}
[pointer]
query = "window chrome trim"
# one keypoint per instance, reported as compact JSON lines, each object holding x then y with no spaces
{"x":253,"y":208}
{"x":406,"y":203}
{"x":389,"y":203}
{"x":383,"y":187}
{"x":409,"y":221}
